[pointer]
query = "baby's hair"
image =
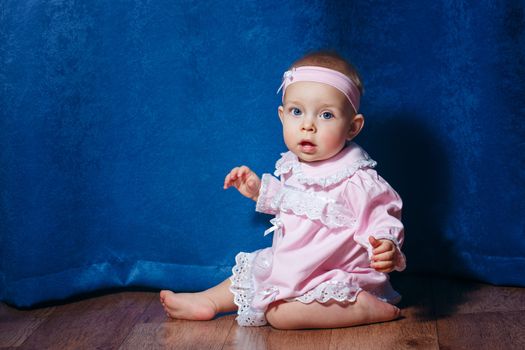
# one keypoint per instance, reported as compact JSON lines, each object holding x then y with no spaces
{"x":332,"y":60}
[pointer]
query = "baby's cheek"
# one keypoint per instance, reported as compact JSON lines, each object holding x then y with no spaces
{"x":289,"y":137}
{"x":333,"y":142}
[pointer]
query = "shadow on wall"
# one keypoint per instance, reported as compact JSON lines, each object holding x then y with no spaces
{"x":414,"y":161}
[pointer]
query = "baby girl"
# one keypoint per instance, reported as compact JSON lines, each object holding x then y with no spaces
{"x":337,"y":229}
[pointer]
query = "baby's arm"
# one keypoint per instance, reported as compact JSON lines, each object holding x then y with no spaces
{"x":245,"y":180}
{"x":377,"y":208}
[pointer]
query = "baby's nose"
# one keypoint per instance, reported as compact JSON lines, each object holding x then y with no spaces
{"x":308,"y":125}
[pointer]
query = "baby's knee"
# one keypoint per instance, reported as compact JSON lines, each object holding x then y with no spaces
{"x":278,"y":318}
{"x":275,"y":319}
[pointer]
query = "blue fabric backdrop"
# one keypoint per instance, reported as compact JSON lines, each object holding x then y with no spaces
{"x":120,"y":119}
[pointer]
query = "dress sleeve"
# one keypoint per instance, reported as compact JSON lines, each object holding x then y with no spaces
{"x":270,"y":186}
{"x":377,"y":209}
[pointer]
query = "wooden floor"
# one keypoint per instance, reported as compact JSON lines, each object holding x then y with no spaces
{"x":438,"y":314}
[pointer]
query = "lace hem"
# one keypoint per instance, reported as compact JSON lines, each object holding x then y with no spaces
{"x":243,"y":290}
{"x":313,"y":206}
{"x":330,"y":290}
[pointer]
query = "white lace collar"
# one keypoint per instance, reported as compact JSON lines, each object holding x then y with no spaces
{"x":351,"y":159}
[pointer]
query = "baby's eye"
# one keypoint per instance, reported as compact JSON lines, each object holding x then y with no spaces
{"x":327,"y":115}
{"x":296,"y":111}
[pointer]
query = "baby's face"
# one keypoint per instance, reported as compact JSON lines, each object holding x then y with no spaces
{"x":317,"y":120}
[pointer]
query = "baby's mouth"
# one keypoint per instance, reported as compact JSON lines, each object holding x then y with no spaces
{"x":307,"y":146}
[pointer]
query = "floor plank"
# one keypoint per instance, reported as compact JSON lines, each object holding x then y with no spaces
{"x":102,"y":322}
{"x":460,"y":296}
{"x":178,"y":334}
{"x":154,"y":313}
{"x":17,"y":325}
{"x":400,"y":334}
{"x":298,"y":340}
{"x":241,"y":338}
{"x":489,"y":330}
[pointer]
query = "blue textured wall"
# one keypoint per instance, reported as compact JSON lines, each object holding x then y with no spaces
{"x":120,"y":119}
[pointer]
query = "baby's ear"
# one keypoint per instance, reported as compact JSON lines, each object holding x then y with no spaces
{"x":358,"y":121}
{"x":280,"y":111}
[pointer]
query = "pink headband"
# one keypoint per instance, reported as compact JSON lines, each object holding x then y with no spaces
{"x":326,"y":76}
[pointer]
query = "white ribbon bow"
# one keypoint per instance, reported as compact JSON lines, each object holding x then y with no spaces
{"x":277,"y":224}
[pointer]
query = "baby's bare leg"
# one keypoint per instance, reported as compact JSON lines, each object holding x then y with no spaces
{"x":199,"y":306}
{"x":296,"y":315}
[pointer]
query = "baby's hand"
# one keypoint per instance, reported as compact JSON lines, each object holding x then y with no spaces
{"x":385,"y":254}
{"x":245,"y":180}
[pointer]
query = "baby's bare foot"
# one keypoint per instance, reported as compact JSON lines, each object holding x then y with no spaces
{"x":374,"y":310}
{"x":188,"y":306}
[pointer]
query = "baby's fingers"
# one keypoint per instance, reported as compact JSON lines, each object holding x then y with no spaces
{"x":385,"y":246}
{"x":387,"y":256}
{"x":374,"y":242}
{"x":243,"y":171}
{"x":231,"y":177}
{"x":383,"y":266}
{"x":237,"y":176}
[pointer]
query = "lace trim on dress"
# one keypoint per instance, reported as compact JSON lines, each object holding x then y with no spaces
{"x":262,"y":203}
{"x":337,"y":177}
{"x":287,"y":162}
{"x":330,"y":290}
{"x":243,"y":290}
{"x":313,"y":206}
{"x":290,"y":162}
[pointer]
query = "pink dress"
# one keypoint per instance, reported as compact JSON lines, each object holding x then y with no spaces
{"x":324,"y":213}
